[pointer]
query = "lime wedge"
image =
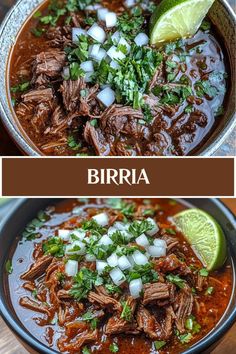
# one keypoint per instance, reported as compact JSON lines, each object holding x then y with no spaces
{"x":204,"y":235}
{"x":174,"y":19}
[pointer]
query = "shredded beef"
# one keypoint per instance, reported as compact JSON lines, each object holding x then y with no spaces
{"x":34,"y":305}
{"x":147,"y":322}
{"x":104,"y":301}
{"x":38,"y":96}
{"x":168,"y":324}
{"x":78,"y":342}
{"x":38,"y":268}
{"x":48,"y":65}
{"x":172,"y":263}
{"x":185,"y":306}
{"x":155,"y":291}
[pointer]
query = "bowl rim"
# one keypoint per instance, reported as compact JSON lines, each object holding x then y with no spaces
{"x":30,"y":151}
{"x":34,"y":343}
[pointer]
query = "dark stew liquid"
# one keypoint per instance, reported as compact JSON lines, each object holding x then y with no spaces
{"x":180,"y":301}
{"x":167,"y":101}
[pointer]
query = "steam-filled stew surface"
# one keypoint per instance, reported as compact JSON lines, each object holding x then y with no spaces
{"x":84,"y":83}
{"x":114,"y":276}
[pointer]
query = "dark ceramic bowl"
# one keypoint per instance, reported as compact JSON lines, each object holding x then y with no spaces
{"x":221,"y":15}
{"x":26,"y":209}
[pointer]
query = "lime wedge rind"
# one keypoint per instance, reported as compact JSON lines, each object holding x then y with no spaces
{"x":205,"y":236}
{"x":175,"y":19}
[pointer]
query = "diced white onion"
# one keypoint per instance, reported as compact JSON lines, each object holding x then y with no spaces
{"x":123,"y":41}
{"x":64,"y":234}
{"x":155,"y":251}
{"x":100,"y":266}
{"x":107,"y":96}
{"x":80,"y":234}
{"x":131,"y":260}
{"x":76,"y":244}
{"x":97,"y":6}
{"x":88,"y":77}
{"x":140,"y":258}
{"x":117,"y":276}
{"x":135,"y":287}
{"x":160,"y":243}
{"x":93,"y":50}
{"x":111,"y":19}
{"x":142,"y":240}
{"x":105,"y":240}
{"x":114,"y":53}
{"x":111,"y":230}
{"x":112,"y":260}
{"x":71,"y":268}
{"x":120,"y":226}
{"x":100,"y":55}
{"x":66,"y":72}
{"x":114,"y":65}
{"x":154,"y":229}
{"x":87,"y":66}
{"x":124,"y":263}
{"x":130,"y":3}
{"x":141,"y":39}
{"x":89,"y":8}
{"x":97,"y":33}
{"x":102,"y":219}
{"x":76,"y":33}
{"x":102,"y":14}
{"x":90,"y":257}
{"x":116,"y":37}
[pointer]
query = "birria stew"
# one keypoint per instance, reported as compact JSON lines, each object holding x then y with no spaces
{"x":84,"y":80}
{"x":114,"y":276}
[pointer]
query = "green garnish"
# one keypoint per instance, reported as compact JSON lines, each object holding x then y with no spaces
{"x":72,"y":143}
{"x":192,"y":325}
{"x":203,"y":272}
{"x":175,"y":279}
{"x":84,"y":281}
{"x":85,"y":350}
{"x":185,"y":338}
{"x":114,"y":348}
{"x":8,"y":266}
{"x":21,"y":87}
{"x":54,"y":246}
{"x":126,"y":313}
{"x":32,"y":229}
{"x":137,"y":228}
{"x":158,"y":344}
{"x":209,"y":290}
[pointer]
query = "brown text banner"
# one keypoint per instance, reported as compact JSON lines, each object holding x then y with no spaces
{"x":117,"y":177}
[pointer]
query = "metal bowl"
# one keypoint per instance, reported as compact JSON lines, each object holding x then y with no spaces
{"x":25,"y":210}
{"x":222,"y":16}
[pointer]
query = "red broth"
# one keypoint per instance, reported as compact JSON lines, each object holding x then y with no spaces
{"x":208,"y":309}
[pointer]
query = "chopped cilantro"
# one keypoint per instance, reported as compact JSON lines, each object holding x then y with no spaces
{"x":175,"y":279}
{"x":84,"y":281}
{"x":158,"y":344}
{"x":54,"y":246}
{"x":72,"y":143}
{"x":114,"y":348}
{"x":130,"y":25}
{"x":185,"y":338}
{"x":209,"y":290}
{"x":21,"y":87}
{"x":126,"y":208}
{"x":85,"y":350}
{"x":126,"y":313}
{"x":192,"y":325}
{"x":137,"y":228}
{"x":76,"y":71}
{"x":203,"y":272}
{"x":32,"y":229}
{"x":9,"y":267}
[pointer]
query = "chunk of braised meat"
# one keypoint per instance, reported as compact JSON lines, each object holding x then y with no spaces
{"x":71,"y":93}
{"x":104,"y":301}
{"x":96,"y":138}
{"x":38,"y":96}
{"x":34,"y":305}
{"x":201,"y":282}
{"x":170,"y":264}
{"x":155,"y":291}
{"x":59,"y":36}
{"x":184,"y":304}
{"x":172,"y":242}
{"x":147,"y":322}
{"x":116,"y":324}
{"x":47,"y":65}
{"x":79,"y":341}
{"x":64,"y":295}
{"x":38,"y":268}
{"x":170,"y":317}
